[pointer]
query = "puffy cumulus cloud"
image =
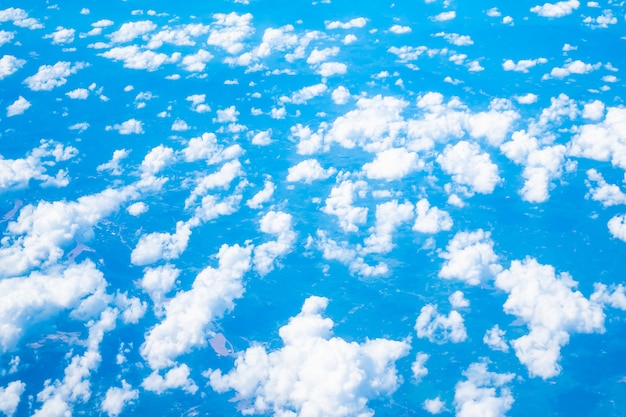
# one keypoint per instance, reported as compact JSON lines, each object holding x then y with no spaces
{"x":522,"y":65}
{"x":418,"y":367}
{"x":444,"y":16}
{"x":177,"y":377}
{"x":605,"y":193}
{"x":457,"y":300}
{"x":431,"y":219}
{"x":18,"y":107}
{"x":279,"y":224}
{"x":328,"y":69}
{"x":314,"y":373}
{"x":220,"y":179}
{"x":189,"y":315}
{"x":614,"y":295}
{"x":196,"y":62}
{"x":10,"y":397}
{"x":603,"y":21}
{"x":113,"y":165}
{"x":308,"y":171}
{"x":197,"y":103}
{"x":571,"y":67}
{"x":400,"y":30}
{"x":59,"y":397}
{"x":341,"y":95}
{"x":206,"y":147}
{"x":130,"y":126}
{"x":389,"y":216}
{"x":61,"y":36}
{"x":617,"y":226}
{"x":552,"y":309}
{"x":116,"y":398}
{"x":470,"y":258}
{"x":157,"y":282}
{"x":357,"y":22}
{"x":494,"y":124}
{"x":132,"y":30}
{"x":49,"y":77}
{"x":529,"y":98}
{"x":349,"y":256}
{"x":180,"y":125}
{"x":78,"y":94}
{"x":469,"y":166}
{"x":494,"y":338}
{"x":20,"y":18}
{"x":306,"y":93}
{"x":136,"y":58}
{"x":317,"y":56}
{"x":439,"y":328}
{"x":6,"y":37}
{"x":228,"y":31}
{"x":558,"y":9}
{"x":263,"y":196}
{"x":178,"y":36}
{"x":392,"y":164}
{"x":374,"y":125}
{"x":604,"y":140}
{"x":227,"y":115}
{"x":153,"y":247}
{"x":456,"y":39}
{"x":483,"y":393}
{"x":10,"y":65}
{"x":594,"y":110}
{"x":42,"y":231}
{"x":542,"y":165}
{"x":434,"y":406}
{"x":340,"y":204}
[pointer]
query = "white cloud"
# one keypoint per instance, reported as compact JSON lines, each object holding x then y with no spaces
{"x":493,"y":125}
{"x":227,"y":115}
{"x":114,"y":164}
{"x":468,"y":166}
{"x":434,"y":406}
{"x":399,"y":29}
{"x":484,"y":393}
{"x":180,"y":126}
{"x":617,"y":226}
{"x":279,"y":224}
{"x":308,"y":171}
{"x":49,"y":77}
{"x":206,"y":147}
{"x":132,"y":30}
{"x":6,"y":37}
{"x":78,"y":94}
{"x":314,"y":373}
{"x":341,"y":95}
{"x":328,"y":69}
{"x":339,"y":203}
{"x":18,"y":107}
{"x":307,"y":93}
{"x":177,"y":377}
{"x":357,"y":22}
{"x":157,"y":282}
{"x":137,"y":209}
{"x":457,"y":300}
{"x":470,"y":258}
{"x":10,"y":397}
{"x":116,"y":398}
{"x":572,"y":67}
{"x":522,"y":65}
{"x":155,"y":246}
{"x":196,"y":62}
{"x":317,"y":56}
{"x":444,"y":16}
{"x":179,"y":36}
{"x":135,"y":58}
{"x":593,"y":110}
{"x":431,"y":219}
{"x":61,"y":36}
{"x":392,"y":164}
{"x":529,"y":98}
{"x":607,"y":194}
{"x":389,"y":216}
{"x":438,"y":328}
{"x":262,"y":196}
{"x":494,"y":338}
{"x":130,"y":126}
{"x":189,"y":315}
{"x":230,"y":30}
{"x":552,"y":309}
{"x":417,"y":367}
{"x":558,"y":9}
{"x":456,"y":39}
{"x":20,"y":18}
{"x":9,"y":65}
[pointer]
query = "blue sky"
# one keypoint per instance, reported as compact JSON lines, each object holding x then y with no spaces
{"x":312,"y":208}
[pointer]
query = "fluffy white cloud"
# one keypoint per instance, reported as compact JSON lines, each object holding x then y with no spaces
{"x":340,"y":203}
{"x":594,"y":110}
{"x":9,"y":65}
{"x":494,"y":338}
{"x":132,"y":30}
{"x":399,"y":29}
{"x":10,"y":397}
{"x":136,"y":58}
{"x":431,"y":219}
{"x":130,"y":126}
{"x":418,"y":367}
{"x":313,"y":374}
{"x":317,"y":56}
{"x":155,"y":246}
{"x":603,"y":141}
{"x":444,"y":16}
{"x":196,"y":62}
{"x":61,"y":36}
{"x":493,"y":125}
{"x":456,"y":39}
{"x":439,"y":328}
{"x":470,"y":258}
{"x":18,"y":107}
{"x":468,"y":166}
{"x":20,"y":18}
{"x":177,"y":377}
{"x":571,"y":67}
{"x":180,"y":125}
{"x":558,"y":9}
{"x":434,"y":406}
{"x":230,"y":30}
{"x":116,"y":398}
{"x":483,"y":393}
{"x":542,"y":165}
{"x":49,"y":77}
{"x":207,"y":147}
{"x":522,"y":65}
{"x":308,"y":171}
{"x":392,"y":164}
{"x":189,"y":315}
{"x":279,"y":224}
{"x":552,"y":309}
{"x":457,"y":300}
{"x":114,"y":164}
{"x":78,"y":94}
{"x":328,"y":69}
{"x":157,"y":282}
{"x":262,"y":196}
{"x":607,"y":194}
{"x":307,"y":93}
{"x":529,"y":98}
{"x":341,"y":95}
{"x":617,"y":226}
{"x":389,"y":216}
{"x":6,"y":37}
{"x":179,"y":36}
{"x":357,"y":22}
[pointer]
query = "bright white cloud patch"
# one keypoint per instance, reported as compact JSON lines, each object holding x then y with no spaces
{"x":470,"y":258}
{"x":18,"y":107}
{"x":308,"y":171}
{"x":558,"y":9}
{"x":431,"y":219}
{"x":469,"y":166}
{"x":314,"y":373}
{"x":49,"y":77}
{"x":439,"y":328}
{"x":10,"y":65}
{"x":552,"y":309}
{"x":483,"y":393}
{"x":392,"y":164}
{"x":116,"y":398}
{"x":10,"y":397}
